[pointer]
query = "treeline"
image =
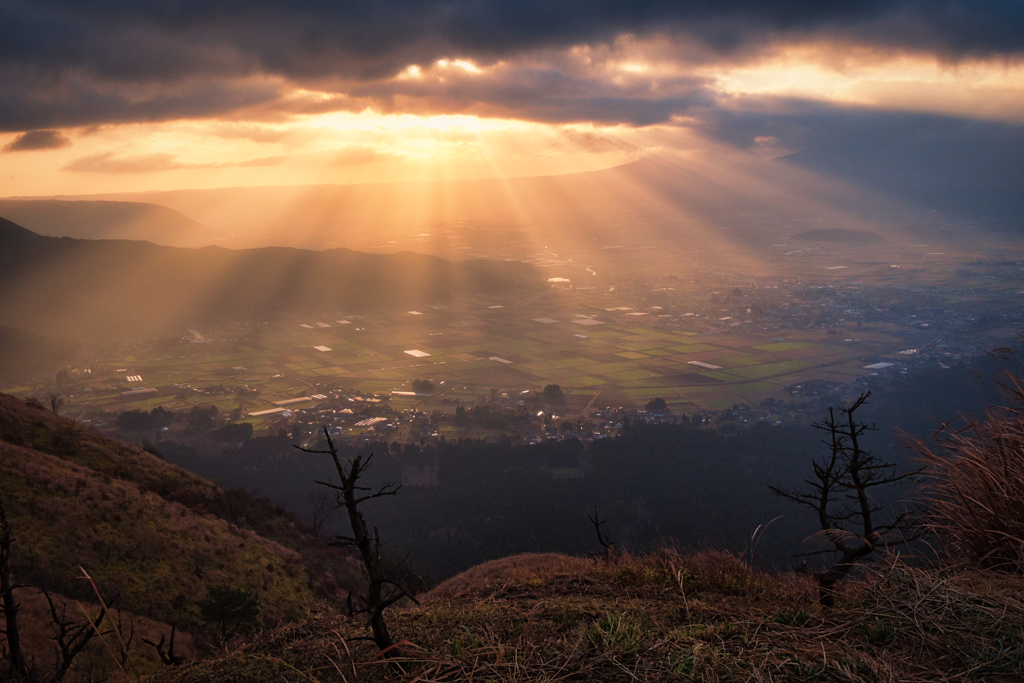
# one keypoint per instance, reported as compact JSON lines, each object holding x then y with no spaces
{"x":199,"y":420}
{"x":476,"y":500}
{"x":470,"y":501}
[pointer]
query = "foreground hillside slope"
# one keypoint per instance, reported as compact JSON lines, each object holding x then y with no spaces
{"x":665,"y":617}
{"x":153,"y":536}
{"x":51,"y":285}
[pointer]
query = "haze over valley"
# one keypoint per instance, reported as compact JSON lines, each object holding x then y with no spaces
{"x":602,"y":317}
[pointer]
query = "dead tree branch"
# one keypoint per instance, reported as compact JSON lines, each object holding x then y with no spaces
{"x":70,"y":637}
{"x":321,"y":509}
{"x":383,"y":588}
{"x":15,"y":654}
{"x":166,"y":655}
{"x":55,"y":401}
{"x":607,"y":544}
{"x":840,"y":493}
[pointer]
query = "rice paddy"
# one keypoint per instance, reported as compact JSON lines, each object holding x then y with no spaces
{"x":471,"y":348}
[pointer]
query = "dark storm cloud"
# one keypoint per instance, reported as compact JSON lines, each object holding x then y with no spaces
{"x":68,"y":62}
{"x":30,"y":100}
{"x":36,"y":140}
{"x":538,"y":94}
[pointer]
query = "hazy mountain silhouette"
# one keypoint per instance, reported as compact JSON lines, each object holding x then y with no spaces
{"x":56,"y":285}
{"x":107,"y":220}
{"x":663,"y":198}
{"x":23,"y":353}
{"x":965,"y":177}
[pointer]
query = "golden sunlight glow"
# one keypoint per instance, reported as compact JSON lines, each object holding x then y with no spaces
{"x":634,"y":67}
{"x":335,"y":147}
{"x":991,"y":90}
{"x":412,"y":71}
{"x":455,"y":119}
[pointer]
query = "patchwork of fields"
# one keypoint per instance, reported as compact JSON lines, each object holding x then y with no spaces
{"x":468,"y":350}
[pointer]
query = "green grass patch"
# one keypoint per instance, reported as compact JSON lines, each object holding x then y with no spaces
{"x":754,"y":388}
{"x":584,"y":381}
{"x":782,"y":346}
{"x":570,"y":362}
{"x":720,"y":375}
{"x":648,"y":393}
{"x":606,"y":368}
{"x":739,"y":361}
{"x":770,"y":369}
{"x":628,"y":375}
{"x":603,"y":334}
{"x":693,"y":348}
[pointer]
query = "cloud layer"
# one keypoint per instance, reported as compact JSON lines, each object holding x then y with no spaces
{"x":83,"y":62}
{"x":36,"y":140}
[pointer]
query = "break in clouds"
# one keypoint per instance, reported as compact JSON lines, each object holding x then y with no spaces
{"x":77,"y":63}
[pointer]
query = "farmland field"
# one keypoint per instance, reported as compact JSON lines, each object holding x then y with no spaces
{"x":467,"y":349}
{"x":703,"y":340}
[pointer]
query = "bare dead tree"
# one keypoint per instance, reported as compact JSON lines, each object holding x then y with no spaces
{"x":841,"y":494}
{"x":166,"y":655}
{"x":321,"y":509}
{"x":606,"y":543}
{"x":237,"y":503}
{"x":127,"y":635}
{"x":55,"y":401}
{"x":15,"y":655}
{"x":70,"y":636}
{"x":383,"y":588}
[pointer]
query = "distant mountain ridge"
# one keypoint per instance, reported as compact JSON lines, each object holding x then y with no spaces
{"x":661,"y":198}
{"x":52,"y":285}
{"x":106,"y":220}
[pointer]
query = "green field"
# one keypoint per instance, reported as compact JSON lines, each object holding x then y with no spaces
{"x":463,"y":345}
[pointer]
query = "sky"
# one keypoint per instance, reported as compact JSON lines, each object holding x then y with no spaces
{"x":100,"y":96}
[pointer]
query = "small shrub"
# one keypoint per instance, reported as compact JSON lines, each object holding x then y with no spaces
{"x":880,"y":633}
{"x":807,"y":671}
{"x":796,"y":617}
{"x":640,"y":574}
{"x":683,"y":664}
{"x":460,"y":644}
{"x":856,"y":669}
{"x":616,"y":634}
{"x":1006,"y":656}
{"x":230,"y":610}
{"x":715,"y":571}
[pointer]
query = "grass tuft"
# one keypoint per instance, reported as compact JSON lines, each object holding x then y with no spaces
{"x":975,"y":497}
{"x":616,"y":634}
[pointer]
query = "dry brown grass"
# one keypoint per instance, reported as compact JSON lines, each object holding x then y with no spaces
{"x":975,"y":495}
{"x":968,"y":623}
{"x":663,"y":617}
{"x":507,"y":570}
